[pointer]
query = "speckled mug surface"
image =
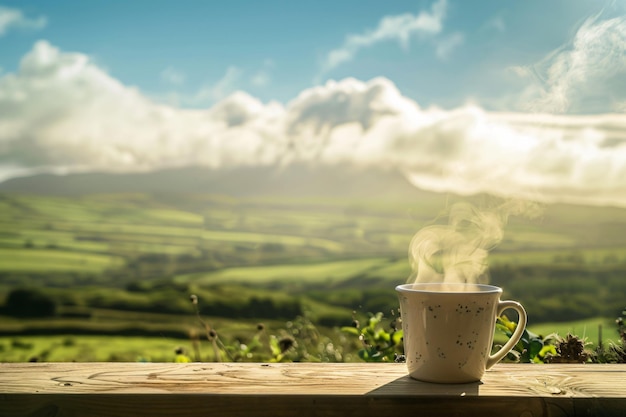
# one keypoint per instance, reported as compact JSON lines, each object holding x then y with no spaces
{"x":448,"y":330}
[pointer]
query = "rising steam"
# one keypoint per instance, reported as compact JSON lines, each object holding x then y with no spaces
{"x":457,"y":252}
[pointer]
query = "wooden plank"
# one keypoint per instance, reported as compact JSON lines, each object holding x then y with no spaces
{"x":303,"y":389}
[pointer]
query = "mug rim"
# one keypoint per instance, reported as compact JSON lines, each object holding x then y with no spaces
{"x":466,"y":288}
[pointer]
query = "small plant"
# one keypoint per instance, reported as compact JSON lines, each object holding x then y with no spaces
{"x":302,"y":341}
{"x":181,"y":356}
{"x":378,"y":344}
{"x":615,"y":352}
{"x":570,"y":349}
{"x":254,"y":349}
{"x":281,"y":347}
{"x":531,"y":347}
{"x":211,"y":334}
{"x":621,"y":328}
{"x":380,"y":339}
{"x":299,"y":341}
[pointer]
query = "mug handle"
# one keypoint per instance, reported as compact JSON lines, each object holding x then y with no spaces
{"x":515,"y":337}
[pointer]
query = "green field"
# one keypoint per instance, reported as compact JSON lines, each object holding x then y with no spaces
{"x":328,"y":273}
{"x":49,"y":260}
{"x":65,"y":348}
{"x":587,"y":329}
{"x":113,"y":264}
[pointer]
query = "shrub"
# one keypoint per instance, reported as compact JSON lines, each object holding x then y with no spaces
{"x":24,"y":302}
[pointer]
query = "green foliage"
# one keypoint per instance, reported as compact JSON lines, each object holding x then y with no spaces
{"x":568,"y":349}
{"x":379,"y":343}
{"x":299,"y":341}
{"x":531,"y":346}
{"x":25,"y":302}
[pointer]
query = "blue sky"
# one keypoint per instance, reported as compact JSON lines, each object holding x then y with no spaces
{"x":516,"y":98}
{"x":275,"y":49}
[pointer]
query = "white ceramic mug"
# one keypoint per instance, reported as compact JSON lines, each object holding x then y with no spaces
{"x":449,"y":328}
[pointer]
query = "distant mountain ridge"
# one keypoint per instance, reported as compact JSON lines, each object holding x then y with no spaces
{"x":307,"y":182}
{"x":295,"y":180}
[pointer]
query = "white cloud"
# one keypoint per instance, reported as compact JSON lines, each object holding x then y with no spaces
{"x":60,"y":111}
{"x":587,"y":75}
{"x":173,"y":76}
{"x":217,"y":91}
{"x":14,"y":18}
{"x":398,"y":28}
{"x":446,"y":45}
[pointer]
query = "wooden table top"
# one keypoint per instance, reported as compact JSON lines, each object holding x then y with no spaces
{"x":303,"y":389}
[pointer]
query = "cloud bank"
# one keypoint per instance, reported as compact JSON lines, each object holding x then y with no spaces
{"x":59,"y":111}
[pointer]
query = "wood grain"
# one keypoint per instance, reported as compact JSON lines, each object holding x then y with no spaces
{"x":303,"y":389}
